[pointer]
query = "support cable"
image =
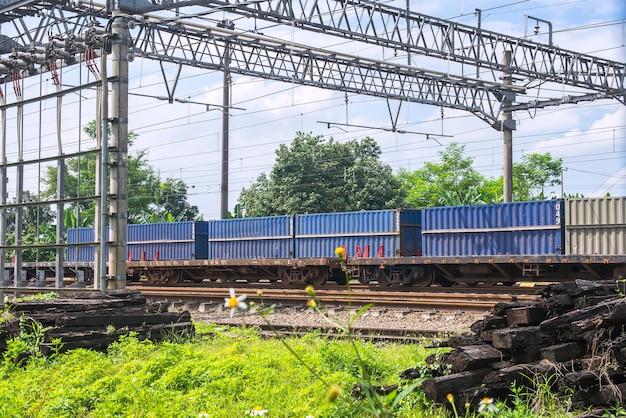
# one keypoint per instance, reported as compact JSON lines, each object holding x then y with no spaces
{"x":60,"y":181}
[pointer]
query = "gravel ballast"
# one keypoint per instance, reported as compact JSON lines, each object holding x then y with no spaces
{"x":453,"y":322}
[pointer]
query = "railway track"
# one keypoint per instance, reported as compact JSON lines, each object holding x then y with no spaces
{"x":359,"y":332}
{"x":476,"y":301}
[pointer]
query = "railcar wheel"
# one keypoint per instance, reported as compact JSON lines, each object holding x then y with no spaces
{"x":318,"y":277}
{"x":150,"y":277}
{"x":426,"y":278}
{"x":157,"y":276}
{"x":174,"y":276}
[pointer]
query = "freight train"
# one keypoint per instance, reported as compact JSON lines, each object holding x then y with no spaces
{"x":548,"y":240}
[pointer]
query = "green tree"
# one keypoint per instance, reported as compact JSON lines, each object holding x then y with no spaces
{"x":147,"y":194}
{"x":533,"y":174}
{"x":171,"y":198}
{"x":451,"y":182}
{"x":313,"y":175}
{"x":38,"y":228}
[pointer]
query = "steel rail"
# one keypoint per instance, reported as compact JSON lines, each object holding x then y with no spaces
{"x":358,"y":332}
{"x":476,"y":302}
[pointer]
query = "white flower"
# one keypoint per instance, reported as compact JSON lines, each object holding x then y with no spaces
{"x":235,"y":302}
{"x":486,"y":404}
{"x":257,"y":411}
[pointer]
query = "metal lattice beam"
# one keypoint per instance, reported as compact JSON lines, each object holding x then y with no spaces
{"x":265,"y":58}
{"x":258,"y":56}
{"x":384,"y":25}
{"x":380,"y":24}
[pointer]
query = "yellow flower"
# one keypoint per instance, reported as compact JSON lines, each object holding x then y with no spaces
{"x":450,"y":397}
{"x":311,"y":303}
{"x":310,"y":290}
{"x":340,"y":252}
{"x":333,"y":393}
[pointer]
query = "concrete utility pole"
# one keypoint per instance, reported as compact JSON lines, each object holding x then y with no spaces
{"x":508,"y":125}
{"x":225,"y":129}
{"x":119,"y":152}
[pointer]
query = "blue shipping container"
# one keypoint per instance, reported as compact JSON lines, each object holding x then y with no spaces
{"x":165,"y":241}
{"x":187,"y":240}
{"x":267,"y":237}
{"x":384,"y":233}
{"x":535,"y":227}
{"x":76,"y":236}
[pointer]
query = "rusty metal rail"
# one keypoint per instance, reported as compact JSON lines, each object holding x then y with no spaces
{"x":358,"y":332}
{"x":474,"y":302}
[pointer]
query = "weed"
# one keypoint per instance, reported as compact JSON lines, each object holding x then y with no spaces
{"x":6,"y":315}
{"x":39,"y":296}
{"x":372,"y":401}
{"x":28,"y":343}
{"x":620,"y":287}
{"x":616,"y":411}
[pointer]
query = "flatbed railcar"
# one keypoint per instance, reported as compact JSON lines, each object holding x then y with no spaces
{"x":407,"y":271}
{"x":551,"y":240}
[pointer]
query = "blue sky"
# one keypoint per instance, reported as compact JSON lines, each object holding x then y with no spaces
{"x":184,"y":140}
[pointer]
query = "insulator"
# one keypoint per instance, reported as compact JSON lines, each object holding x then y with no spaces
{"x":64,"y":54}
{"x":41,"y":59}
{"x":39,"y":49}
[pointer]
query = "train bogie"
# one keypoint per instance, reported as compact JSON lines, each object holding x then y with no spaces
{"x":314,"y":275}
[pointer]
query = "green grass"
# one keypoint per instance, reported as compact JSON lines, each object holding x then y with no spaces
{"x":221,"y":372}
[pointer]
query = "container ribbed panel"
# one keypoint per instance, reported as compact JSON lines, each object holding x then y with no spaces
{"x":596,"y":225}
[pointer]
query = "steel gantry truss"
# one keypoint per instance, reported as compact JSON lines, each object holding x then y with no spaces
{"x":257,"y":56}
{"x":530,"y":63}
{"x":377,"y":23}
{"x":486,"y":74}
